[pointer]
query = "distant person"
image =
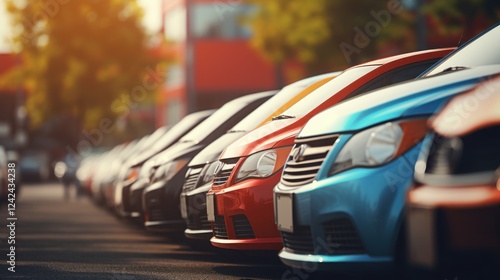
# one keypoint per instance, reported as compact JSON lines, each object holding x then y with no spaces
{"x":69,"y":177}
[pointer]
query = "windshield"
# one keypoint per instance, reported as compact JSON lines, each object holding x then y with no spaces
{"x":482,"y":51}
{"x":269,"y":108}
{"x":317,"y":97}
{"x":220,"y":116}
{"x":176,"y":131}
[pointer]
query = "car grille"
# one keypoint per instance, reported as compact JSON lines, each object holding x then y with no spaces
{"x":156,"y":214}
{"x":192,"y":179}
{"x":242,"y":228}
{"x":198,"y":222}
{"x":342,"y":238}
{"x":471,"y":153}
{"x":306,"y":159}
{"x":220,"y":230}
{"x":223,"y":175}
{"x":300,"y":241}
{"x":197,"y":212}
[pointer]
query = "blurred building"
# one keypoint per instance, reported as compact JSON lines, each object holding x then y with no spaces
{"x":11,"y":101}
{"x":213,"y":61}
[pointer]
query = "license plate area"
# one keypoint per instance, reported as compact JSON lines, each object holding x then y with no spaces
{"x":184,"y":213}
{"x":210,"y":207}
{"x":422,"y":236}
{"x":284,"y":212}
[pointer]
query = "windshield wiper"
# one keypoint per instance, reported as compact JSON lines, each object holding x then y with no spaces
{"x":236,"y":130}
{"x":282,"y":117}
{"x":455,"y":68}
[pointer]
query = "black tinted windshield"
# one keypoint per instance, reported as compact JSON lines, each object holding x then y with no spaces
{"x":482,"y":51}
{"x":178,"y":130}
{"x":316,"y":98}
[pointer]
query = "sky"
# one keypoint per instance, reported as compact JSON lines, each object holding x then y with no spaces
{"x":151,"y":21}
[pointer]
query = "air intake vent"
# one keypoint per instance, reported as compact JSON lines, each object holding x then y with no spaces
{"x":242,"y":228}
{"x":220,"y":230}
{"x":300,"y":241}
{"x":342,"y":238}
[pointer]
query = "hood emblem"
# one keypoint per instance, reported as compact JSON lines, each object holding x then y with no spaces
{"x":298,"y":153}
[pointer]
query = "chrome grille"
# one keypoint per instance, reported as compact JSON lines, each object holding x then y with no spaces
{"x":220,"y":230}
{"x":223,"y":175}
{"x":300,"y":241}
{"x":306,"y":158}
{"x":342,"y":238}
{"x":242,"y":228}
{"x":192,"y":179}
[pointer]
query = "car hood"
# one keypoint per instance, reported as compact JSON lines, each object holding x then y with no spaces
{"x":417,"y":97}
{"x":212,"y":152}
{"x":263,"y":137}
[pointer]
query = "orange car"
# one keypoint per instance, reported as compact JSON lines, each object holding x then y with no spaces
{"x":454,"y":211}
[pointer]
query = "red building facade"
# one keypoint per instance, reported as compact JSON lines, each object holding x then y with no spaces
{"x":213,"y":60}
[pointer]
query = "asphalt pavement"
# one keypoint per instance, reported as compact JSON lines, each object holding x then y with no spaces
{"x":75,"y":239}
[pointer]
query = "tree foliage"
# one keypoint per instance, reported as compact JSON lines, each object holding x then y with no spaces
{"x":78,"y":56}
{"x":313,"y":31}
{"x":455,"y":16}
{"x":332,"y":34}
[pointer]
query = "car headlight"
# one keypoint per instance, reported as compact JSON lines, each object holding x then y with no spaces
{"x":380,"y":144}
{"x":263,"y":164}
{"x":166,"y":171}
{"x":208,"y":173}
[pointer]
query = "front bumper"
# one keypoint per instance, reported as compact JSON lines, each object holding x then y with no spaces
{"x":122,"y":198}
{"x":453,"y":225}
{"x":135,"y":198}
{"x":198,"y":227}
{"x":349,"y":221}
{"x":161,"y":204}
{"x":244,"y":216}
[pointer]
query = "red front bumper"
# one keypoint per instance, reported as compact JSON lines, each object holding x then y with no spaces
{"x":245,"y":216}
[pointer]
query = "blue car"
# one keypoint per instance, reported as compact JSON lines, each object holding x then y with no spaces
{"x":340,"y":203}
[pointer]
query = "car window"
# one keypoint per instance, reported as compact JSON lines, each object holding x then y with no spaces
{"x":483,"y":50}
{"x":270,"y":106}
{"x":177,"y":130}
{"x":397,"y":75}
{"x":323,"y":93}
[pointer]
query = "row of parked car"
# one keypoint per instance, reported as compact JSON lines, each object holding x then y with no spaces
{"x":345,"y":171}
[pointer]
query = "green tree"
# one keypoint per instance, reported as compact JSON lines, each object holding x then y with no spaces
{"x":326,"y":34}
{"x":467,"y":17}
{"x":79,"y":58}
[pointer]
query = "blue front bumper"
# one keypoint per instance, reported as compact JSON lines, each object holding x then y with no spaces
{"x":363,"y":206}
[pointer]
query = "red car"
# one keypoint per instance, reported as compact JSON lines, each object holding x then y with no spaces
{"x":240,"y":202}
{"x":453,"y":212}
